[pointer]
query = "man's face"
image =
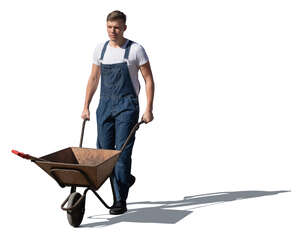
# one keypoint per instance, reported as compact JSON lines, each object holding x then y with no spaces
{"x":115,"y":29}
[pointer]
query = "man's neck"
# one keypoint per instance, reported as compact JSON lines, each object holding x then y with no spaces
{"x":118,"y":43}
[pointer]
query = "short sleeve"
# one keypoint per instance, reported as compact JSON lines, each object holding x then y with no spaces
{"x":97,"y":53}
{"x":141,"y":56}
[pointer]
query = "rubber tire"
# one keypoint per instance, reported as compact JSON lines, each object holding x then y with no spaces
{"x":75,"y":216}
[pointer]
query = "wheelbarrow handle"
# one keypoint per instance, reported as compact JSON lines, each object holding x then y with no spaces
{"x":134,"y":129}
{"x":82,"y":132}
{"x":26,"y":156}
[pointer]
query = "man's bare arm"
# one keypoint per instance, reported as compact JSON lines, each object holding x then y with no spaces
{"x":90,"y":90}
{"x":149,"y":85}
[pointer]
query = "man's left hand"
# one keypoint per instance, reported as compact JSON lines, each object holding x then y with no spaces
{"x":147,"y":116}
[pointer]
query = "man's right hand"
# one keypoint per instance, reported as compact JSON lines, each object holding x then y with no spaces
{"x":85,"y":114}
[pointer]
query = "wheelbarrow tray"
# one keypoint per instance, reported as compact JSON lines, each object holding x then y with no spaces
{"x":81,"y":167}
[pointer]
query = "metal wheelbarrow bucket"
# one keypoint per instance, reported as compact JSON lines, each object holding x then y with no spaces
{"x":80,"y":167}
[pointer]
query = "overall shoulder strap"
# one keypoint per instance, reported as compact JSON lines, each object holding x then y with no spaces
{"x":127,"y":50}
{"x":104,"y":49}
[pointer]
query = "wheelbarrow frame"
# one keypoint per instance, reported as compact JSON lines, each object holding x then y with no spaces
{"x":67,"y":169}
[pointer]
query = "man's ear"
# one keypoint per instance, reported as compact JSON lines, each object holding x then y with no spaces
{"x":125,"y":27}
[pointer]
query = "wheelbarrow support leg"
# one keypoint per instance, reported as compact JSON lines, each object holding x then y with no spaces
{"x":73,"y":189}
{"x":112,"y":188}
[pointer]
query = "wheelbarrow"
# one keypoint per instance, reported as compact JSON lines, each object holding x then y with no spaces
{"x":80,"y":167}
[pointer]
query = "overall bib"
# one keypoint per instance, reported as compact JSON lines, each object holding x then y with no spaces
{"x":117,"y":113}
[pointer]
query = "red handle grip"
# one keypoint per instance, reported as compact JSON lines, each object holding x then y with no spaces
{"x":25,"y":156}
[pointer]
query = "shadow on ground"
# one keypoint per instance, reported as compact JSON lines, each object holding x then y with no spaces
{"x":165,"y":212}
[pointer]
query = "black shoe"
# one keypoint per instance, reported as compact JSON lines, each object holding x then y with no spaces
{"x":131,"y":180}
{"x":118,"y":208}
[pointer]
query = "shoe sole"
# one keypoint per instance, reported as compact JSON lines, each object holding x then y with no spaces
{"x":117,"y":213}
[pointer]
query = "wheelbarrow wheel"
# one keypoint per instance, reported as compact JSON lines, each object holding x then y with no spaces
{"x":75,"y":215}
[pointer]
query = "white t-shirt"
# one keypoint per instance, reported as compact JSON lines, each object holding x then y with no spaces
{"x":137,"y":57}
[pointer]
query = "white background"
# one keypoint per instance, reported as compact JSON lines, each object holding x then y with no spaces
{"x":226,"y":116}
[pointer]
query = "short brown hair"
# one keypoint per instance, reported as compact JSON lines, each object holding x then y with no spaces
{"x":116,"y":15}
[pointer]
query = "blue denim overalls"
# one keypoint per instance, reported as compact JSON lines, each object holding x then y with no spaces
{"x":117,"y":113}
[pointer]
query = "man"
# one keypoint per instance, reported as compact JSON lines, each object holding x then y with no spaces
{"x":118,"y":62}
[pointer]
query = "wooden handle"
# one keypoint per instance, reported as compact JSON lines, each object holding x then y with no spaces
{"x":134,"y":129}
{"x":82,"y":132}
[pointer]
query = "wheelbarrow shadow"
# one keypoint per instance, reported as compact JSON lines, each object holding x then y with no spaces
{"x":164,"y":212}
